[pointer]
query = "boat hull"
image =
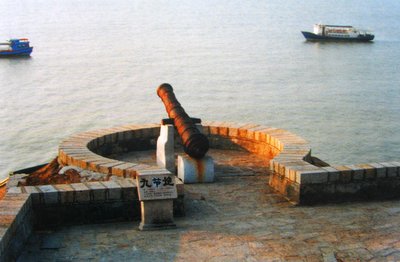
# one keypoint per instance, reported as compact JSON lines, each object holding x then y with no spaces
{"x":19,"y":52}
{"x":314,"y":37}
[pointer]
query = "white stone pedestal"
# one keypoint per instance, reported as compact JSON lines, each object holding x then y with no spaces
{"x":165,"y":148}
{"x":156,"y":190}
{"x":192,"y":170}
{"x":157,"y":214}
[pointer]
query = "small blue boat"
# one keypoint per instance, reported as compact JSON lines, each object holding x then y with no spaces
{"x":15,"y":47}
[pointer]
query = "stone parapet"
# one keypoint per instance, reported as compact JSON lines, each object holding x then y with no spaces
{"x":84,"y":193}
{"x":304,"y":183}
{"x":15,"y":224}
{"x":27,"y":207}
{"x":293,"y":173}
{"x":93,"y":150}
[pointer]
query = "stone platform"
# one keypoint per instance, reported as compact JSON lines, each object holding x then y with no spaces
{"x":237,"y":218}
{"x":294,"y":173}
{"x":244,"y":215}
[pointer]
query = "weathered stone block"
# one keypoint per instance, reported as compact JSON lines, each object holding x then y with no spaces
{"x":131,"y":172}
{"x":380,"y":170}
{"x":179,"y":186}
{"x":223,"y":131}
{"x":120,"y":170}
{"x":128,"y":189}
{"x":165,"y":148}
{"x":34,"y":192}
{"x":369,"y":171}
{"x":50,"y":194}
{"x":345,"y":174}
{"x":81,"y":192}
{"x":113,"y":190}
{"x":213,"y":129}
{"x":333,"y":174}
{"x":291,"y":169}
{"x":311,"y":177}
{"x":391,"y":169}
{"x":357,"y":172}
{"x":397,"y":164}
{"x":97,"y":191}
{"x":14,"y":190}
{"x":107,"y":167}
{"x":260,"y":135}
{"x":157,"y":214}
{"x":233,"y":131}
{"x":118,"y":167}
{"x":66,"y":193}
{"x":192,"y":170}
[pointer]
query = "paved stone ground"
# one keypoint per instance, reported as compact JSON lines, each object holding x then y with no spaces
{"x":237,"y":218}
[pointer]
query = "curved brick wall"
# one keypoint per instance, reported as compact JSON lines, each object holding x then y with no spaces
{"x":291,"y":170}
{"x":292,"y":173}
{"x":93,"y":150}
{"x":87,"y":150}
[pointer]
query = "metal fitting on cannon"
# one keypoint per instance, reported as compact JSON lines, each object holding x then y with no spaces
{"x":195,"y":144}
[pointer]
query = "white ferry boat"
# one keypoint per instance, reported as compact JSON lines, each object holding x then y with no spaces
{"x":338,"y":32}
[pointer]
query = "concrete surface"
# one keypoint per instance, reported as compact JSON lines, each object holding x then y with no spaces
{"x":237,"y":218}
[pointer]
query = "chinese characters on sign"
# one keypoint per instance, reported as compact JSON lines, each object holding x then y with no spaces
{"x":151,"y":187}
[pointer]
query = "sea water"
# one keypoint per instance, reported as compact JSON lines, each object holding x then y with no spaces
{"x":97,"y":64}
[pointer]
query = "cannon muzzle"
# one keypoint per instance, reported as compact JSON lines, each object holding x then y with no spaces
{"x":195,"y":144}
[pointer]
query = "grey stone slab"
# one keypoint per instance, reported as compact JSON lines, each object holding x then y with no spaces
{"x":391,"y":169}
{"x":397,"y":164}
{"x":97,"y":191}
{"x":194,"y":171}
{"x":50,"y":194}
{"x":125,"y":183}
{"x":66,"y":193}
{"x":312,"y":177}
{"x":380,"y":170}
{"x":333,"y":174}
{"x":113,"y":190}
{"x":34,"y":192}
{"x":14,"y":190}
{"x":357,"y":172}
{"x":128,"y":189}
{"x":81,"y":192}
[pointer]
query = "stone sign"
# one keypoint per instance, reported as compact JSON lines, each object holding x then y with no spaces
{"x":156,"y":186}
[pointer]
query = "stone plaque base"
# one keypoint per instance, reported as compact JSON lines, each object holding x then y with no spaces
{"x":157,"y":214}
{"x":192,"y":170}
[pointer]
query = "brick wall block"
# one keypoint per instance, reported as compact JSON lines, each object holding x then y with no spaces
{"x":312,"y":177}
{"x":398,"y":167}
{"x":369,"y":171}
{"x":333,"y":174}
{"x":345,"y":174}
{"x":66,"y":193}
{"x":128,"y":189}
{"x":391,"y":169}
{"x":357,"y":172}
{"x":380,"y":170}
{"x":97,"y":191}
{"x":49,"y":194}
{"x":114,"y":190}
{"x":81,"y":192}
{"x":34,"y":192}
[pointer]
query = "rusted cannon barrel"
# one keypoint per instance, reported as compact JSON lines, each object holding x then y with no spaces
{"x":195,"y":144}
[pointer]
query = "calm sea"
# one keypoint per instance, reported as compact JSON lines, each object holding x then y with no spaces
{"x":97,"y":64}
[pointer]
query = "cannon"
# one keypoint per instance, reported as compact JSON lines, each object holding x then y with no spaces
{"x":195,"y":144}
